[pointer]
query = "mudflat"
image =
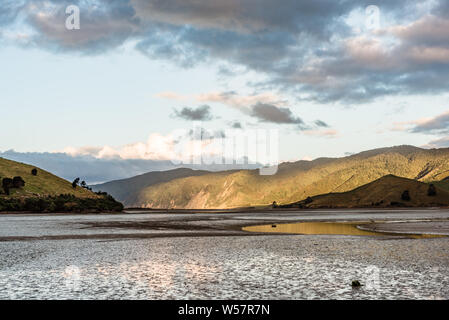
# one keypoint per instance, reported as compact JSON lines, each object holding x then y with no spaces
{"x":209,"y":256}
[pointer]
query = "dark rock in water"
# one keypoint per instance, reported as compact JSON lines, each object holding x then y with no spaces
{"x":356,"y":284}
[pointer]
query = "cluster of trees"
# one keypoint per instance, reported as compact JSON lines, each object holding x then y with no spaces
{"x":431,"y":192}
{"x":14,"y":183}
{"x":62,"y":203}
{"x":83,"y":184}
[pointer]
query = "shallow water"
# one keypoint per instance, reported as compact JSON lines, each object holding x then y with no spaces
{"x":232,"y":267}
{"x":329,"y":228}
{"x":313,"y":228}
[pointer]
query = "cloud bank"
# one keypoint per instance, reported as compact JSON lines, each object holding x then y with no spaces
{"x":311,"y":48}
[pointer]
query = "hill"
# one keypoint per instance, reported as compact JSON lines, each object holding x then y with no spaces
{"x":127,"y":190}
{"x":294,"y":181}
{"x":443,"y":184}
{"x":45,"y":192}
{"x":388,"y":191}
{"x":43,"y":184}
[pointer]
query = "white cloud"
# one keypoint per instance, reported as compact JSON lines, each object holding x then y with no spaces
{"x":176,"y":146}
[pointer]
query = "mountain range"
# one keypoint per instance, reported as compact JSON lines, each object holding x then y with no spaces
{"x":293,"y":182}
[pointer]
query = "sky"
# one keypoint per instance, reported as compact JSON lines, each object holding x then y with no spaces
{"x":332,"y":77}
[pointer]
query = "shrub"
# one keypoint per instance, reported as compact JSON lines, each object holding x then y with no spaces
{"x":62,"y":203}
{"x":18,"y":182}
{"x":406,"y":196}
{"x":7,"y":184}
{"x":75,"y":183}
{"x":308,"y":200}
{"x":432,"y":192}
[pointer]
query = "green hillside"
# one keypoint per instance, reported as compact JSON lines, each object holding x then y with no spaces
{"x":43,"y":184}
{"x":294,"y":181}
{"x":388,"y":191}
{"x":45,"y":192}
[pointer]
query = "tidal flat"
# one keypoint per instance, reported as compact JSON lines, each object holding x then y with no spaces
{"x":209,"y":256}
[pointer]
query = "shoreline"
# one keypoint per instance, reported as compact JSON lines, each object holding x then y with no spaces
{"x":142,"y":211}
{"x":159,"y":224}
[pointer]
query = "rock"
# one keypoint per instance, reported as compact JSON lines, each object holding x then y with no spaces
{"x":356,"y":284}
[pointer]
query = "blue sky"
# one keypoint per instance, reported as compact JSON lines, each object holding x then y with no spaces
{"x":134,"y":66}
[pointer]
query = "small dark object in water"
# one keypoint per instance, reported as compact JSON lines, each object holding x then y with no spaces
{"x":273,"y":226}
{"x":356,"y":284}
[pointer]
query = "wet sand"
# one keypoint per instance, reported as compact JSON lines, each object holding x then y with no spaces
{"x":208,"y":256}
{"x":153,"y":224}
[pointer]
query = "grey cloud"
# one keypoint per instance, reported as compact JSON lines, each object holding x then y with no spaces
{"x":105,"y":24}
{"x":438,"y":143}
{"x":9,"y":11}
{"x":205,"y":134}
{"x":280,"y":40}
{"x":236,"y":125}
{"x":202,"y":113}
{"x":439,"y":124}
{"x":88,"y":168}
{"x":321,"y":123}
{"x":246,"y":16}
{"x":271,"y":113}
{"x":94,"y":170}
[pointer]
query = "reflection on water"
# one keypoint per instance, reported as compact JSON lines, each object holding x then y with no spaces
{"x":313,"y":228}
{"x":328,"y":228}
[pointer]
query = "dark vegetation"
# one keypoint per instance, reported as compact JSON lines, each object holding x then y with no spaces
{"x":406,"y":196}
{"x":62,"y":203}
{"x":75,"y":183}
{"x":14,"y":183}
{"x":432,"y":192}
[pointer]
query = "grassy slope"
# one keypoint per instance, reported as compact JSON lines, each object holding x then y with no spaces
{"x":443,"y":184}
{"x":382,"y":193}
{"x":127,"y":190}
{"x":43,"y":184}
{"x":296,"y":181}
